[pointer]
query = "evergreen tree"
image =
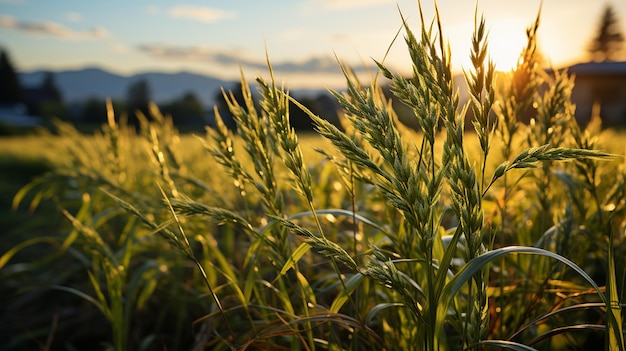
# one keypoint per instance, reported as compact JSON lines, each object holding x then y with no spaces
{"x":607,"y":44}
{"x":186,"y":110}
{"x":222,"y":106}
{"x":10,"y":90}
{"x":138,"y":100}
{"x":191,"y":105}
{"x":50,"y":88}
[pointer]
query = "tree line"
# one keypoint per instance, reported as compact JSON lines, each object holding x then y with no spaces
{"x":47,"y":100}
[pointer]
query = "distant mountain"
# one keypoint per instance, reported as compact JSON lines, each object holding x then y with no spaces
{"x":78,"y":85}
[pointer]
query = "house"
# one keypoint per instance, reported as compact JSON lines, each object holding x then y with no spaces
{"x":16,"y":115}
{"x":603,"y":83}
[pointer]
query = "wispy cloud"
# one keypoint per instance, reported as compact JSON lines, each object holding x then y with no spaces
{"x":52,"y":29}
{"x":200,"y":13}
{"x":325,"y":64}
{"x":119,"y":47}
{"x":342,"y":5}
{"x":74,"y":17}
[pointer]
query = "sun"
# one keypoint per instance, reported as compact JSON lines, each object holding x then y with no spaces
{"x":505,"y":46}
{"x":506,"y":40}
{"x":505,"y":53}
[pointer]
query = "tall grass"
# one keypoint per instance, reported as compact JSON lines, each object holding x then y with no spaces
{"x":507,"y":235}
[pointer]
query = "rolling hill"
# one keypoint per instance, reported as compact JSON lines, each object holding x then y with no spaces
{"x":78,"y":85}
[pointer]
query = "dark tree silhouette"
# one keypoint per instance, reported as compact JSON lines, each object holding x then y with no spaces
{"x":322,"y":105}
{"x":186,"y":110}
{"x":94,"y":110}
{"x":298,"y":119}
{"x":607,"y":43}
{"x":138,"y":100}
{"x":10,"y":90}
{"x":46,"y":100}
{"x":49,"y":86}
{"x":222,"y":106}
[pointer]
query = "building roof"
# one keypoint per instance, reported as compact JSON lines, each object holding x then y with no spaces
{"x":599,"y":68}
{"x":16,"y":115}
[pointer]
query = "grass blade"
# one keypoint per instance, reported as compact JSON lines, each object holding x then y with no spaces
{"x":614,"y":327}
{"x":507,"y":345}
{"x":477,"y":264}
{"x":295,"y":257}
{"x":343,"y":296}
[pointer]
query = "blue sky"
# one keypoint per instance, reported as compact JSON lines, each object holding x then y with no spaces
{"x":301,"y":37}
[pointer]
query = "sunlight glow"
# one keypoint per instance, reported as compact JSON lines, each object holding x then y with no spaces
{"x":507,"y":39}
{"x":505,"y":47}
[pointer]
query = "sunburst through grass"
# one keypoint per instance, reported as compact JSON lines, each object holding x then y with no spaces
{"x":475,"y":230}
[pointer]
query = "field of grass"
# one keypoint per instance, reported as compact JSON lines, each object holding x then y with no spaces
{"x":475,"y":232}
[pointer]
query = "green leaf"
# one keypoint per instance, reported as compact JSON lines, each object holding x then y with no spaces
{"x":613,"y":310}
{"x":295,"y":257}
{"x":86,"y":297}
{"x":306,"y":289}
{"x":477,"y":264}
{"x":19,"y":247}
{"x":507,"y":345}
{"x":99,"y":294}
{"x":143,"y":281}
{"x":343,"y":296}
{"x":381,"y":306}
{"x":146,"y":292}
{"x":339,"y":212}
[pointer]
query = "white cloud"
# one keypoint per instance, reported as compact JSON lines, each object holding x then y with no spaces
{"x":7,"y":22}
{"x":74,"y":17}
{"x":342,"y":5}
{"x":53,"y":29}
{"x":200,"y":13}
{"x":319,"y":64}
{"x":119,"y":47}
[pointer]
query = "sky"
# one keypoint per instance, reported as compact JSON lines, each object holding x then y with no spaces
{"x":302,"y":38}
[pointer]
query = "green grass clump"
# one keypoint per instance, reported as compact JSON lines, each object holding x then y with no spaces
{"x":475,"y":231}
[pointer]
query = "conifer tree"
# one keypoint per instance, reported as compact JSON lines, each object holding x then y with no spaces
{"x":606,"y":45}
{"x":50,"y":87}
{"x":10,"y":90}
